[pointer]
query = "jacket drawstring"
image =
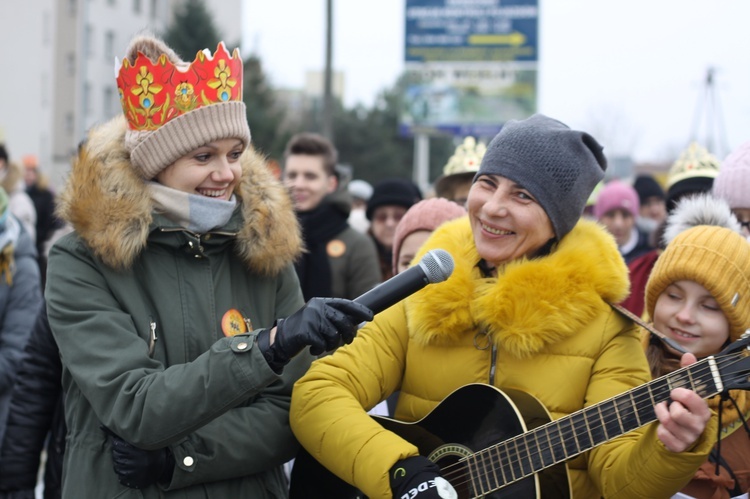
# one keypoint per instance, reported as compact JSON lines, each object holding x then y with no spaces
{"x":716,"y":453}
{"x":724,"y":396}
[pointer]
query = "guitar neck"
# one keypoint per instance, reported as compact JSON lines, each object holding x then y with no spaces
{"x":530,"y":452}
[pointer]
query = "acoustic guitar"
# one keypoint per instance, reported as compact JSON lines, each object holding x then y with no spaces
{"x":501,"y":444}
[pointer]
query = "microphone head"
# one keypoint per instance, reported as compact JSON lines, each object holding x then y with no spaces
{"x":437,"y":265}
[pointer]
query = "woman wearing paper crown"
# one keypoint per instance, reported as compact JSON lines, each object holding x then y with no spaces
{"x":166,"y":299}
{"x":527,"y":307}
{"x":698,"y":295}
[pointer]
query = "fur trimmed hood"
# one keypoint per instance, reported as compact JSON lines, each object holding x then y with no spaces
{"x":532,"y":304}
{"x":109,"y":207}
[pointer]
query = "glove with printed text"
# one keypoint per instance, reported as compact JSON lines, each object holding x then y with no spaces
{"x":419,"y":478}
{"x":322,"y":324}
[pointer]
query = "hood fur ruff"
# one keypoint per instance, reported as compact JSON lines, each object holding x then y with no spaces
{"x":108,"y":205}
{"x":532,"y":304}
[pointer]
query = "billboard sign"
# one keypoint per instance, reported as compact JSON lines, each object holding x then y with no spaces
{"x":471,"y":65}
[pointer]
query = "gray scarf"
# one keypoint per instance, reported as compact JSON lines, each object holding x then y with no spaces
{"x":196,"y":213}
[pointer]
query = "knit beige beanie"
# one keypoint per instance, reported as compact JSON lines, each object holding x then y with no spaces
{"x":173,"y":107}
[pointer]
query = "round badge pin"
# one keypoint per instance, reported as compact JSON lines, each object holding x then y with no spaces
{"x":233,"y":323}
{"x":336,"y":248}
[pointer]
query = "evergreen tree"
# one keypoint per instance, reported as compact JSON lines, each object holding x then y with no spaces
{"x":192,"y":30}
{"x":264,"y":114}
{"x":368,"y":140}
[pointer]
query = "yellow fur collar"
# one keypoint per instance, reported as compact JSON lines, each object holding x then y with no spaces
{"x":108,"y":205}
{"x":534,"y":302}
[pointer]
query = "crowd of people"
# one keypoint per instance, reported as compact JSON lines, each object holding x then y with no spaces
{"x":179,"y":322}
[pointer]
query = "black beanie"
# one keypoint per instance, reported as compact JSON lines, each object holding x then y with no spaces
{"x":393,"y":191}
{"x":647,"y":187}
{"x":687,"y":187}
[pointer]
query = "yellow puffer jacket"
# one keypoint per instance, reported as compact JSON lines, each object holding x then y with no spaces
{"x":552,"y":334}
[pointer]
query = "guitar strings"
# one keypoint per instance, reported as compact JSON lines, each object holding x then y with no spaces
{"x":460,"y":473}
{"x":496,"y":460}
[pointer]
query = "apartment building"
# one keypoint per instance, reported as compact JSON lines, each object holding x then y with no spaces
{"x":58,"y":60}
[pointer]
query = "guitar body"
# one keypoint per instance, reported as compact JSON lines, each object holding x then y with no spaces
{"x":470,"y":419}
{"x":502,"y":444}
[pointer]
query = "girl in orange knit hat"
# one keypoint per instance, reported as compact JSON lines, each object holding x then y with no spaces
{"x":698,"y":296}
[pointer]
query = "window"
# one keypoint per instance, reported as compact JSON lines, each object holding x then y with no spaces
{"x":45,"y":94}
{"x":109,"y":45}
{"x":86,"y":98}
{"x":69,"y":123}
{"x":72,"y":7}
{"x":71,"y":64}
{"x":46,"y":29}
{"x":109,"y":102}
{"x":137,"y":6}
{"x":154,"y":8}
{"x":88,"y":38}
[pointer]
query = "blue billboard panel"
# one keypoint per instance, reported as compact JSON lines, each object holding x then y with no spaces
{"x":471,"y":30}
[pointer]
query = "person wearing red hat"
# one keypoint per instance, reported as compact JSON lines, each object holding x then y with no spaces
{"x":174,"y":302}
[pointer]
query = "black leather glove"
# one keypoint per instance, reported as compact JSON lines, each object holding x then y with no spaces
{"x":323,"y":324}
{"x":419,"y":478}
{"x":137,"y":468}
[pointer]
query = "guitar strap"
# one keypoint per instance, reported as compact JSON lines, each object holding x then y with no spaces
{"x":648,"y":327}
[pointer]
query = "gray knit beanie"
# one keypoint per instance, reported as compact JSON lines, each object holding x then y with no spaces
{"x":560,"y":167}
{"x":203,"y":103}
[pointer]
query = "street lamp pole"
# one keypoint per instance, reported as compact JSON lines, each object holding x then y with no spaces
{"x":327,"y":98}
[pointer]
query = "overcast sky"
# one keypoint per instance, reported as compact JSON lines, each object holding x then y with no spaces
{"x":631,"y":72}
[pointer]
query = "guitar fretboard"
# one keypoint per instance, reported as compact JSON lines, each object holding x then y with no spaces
{"x":494,"y":467}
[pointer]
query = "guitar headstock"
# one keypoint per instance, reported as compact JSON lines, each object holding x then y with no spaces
{"x":734,"y":364}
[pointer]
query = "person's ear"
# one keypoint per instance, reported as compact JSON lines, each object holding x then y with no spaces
{"x":333,"y":183}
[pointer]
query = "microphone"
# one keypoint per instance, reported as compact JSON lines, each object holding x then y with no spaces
{"x":435,"y":266}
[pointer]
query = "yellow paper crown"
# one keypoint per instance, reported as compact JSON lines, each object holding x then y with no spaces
{"x":695,"y":161}
{"x":466,"y":157}
{"x":153,"y":93}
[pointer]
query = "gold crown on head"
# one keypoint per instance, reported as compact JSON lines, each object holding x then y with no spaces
{"x":466,"y":158}
{"x":695,"y":161}
{"x":153,"y":93}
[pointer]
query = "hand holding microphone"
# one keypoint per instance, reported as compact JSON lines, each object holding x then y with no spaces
{"x":322,"y":324}
{"x":327,"y":323}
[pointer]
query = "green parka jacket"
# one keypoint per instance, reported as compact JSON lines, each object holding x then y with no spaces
{"x":543,"y":326}
{"x":136,"y":306}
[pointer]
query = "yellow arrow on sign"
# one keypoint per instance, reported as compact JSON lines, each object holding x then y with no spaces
{"x":514,"y":39}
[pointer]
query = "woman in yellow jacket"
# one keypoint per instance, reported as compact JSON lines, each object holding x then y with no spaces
{"x":526,"y":308}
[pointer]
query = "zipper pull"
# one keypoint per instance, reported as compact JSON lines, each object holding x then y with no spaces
{"x":152,"y":339}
